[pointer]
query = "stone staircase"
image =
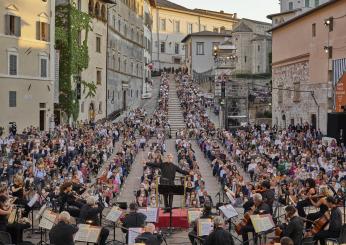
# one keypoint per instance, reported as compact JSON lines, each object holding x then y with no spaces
{"x":175,"y":115}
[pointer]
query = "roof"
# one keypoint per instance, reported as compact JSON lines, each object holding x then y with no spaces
{"x":257,"y":21}
{"x":242,"y":27}
{"x":304,"y":14}
{"x":282,"y":13}
{"x":168,"y":4}
{"x":205,"y":34}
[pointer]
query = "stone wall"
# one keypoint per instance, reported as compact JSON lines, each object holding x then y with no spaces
{"x":302,"y":109}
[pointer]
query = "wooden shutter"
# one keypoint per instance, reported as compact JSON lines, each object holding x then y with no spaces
{"x":38,"y":30}
{"x":48,"y":32}
{"x":7,"y":24}
{"x":18,"y":26}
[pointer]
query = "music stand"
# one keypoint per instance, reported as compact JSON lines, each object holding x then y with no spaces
{"x":171,"y":190}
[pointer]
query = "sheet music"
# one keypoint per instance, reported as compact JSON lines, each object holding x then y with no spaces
{"x":262,"y":223}
{"x":133,"y":234}
{"x":230,"y":197}
{"x":194,"y":214}
{"x":48,"y":220}
{"x":228,"y":211}
{"x":151,"y":214}
{"x":33,"y":200}
{"x":114,"y":214}
{"x":205,"y":226}
{"x":40,"y":212}
{"x":87,"y":233}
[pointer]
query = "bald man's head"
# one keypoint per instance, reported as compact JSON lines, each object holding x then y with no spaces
{"x":150,"y":228}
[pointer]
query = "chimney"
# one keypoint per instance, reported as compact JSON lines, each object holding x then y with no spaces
{"x":234,"y":15}
{"x":222,"y":12}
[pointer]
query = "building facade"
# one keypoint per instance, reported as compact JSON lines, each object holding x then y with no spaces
{"x":292,"y":8}
{"x":173,"y":22}
{"x":125,"y":69}
{"x":254,"y":46}
{"x":199,"y":51}
{"x":27,"y":63}
{"x":303,"y":68}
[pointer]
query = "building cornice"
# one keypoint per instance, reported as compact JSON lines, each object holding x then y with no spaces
{"x":2,"y":75}
{"x":292,"y":60}
{"x":191,"y":12}
{"x":123,"y":37}
{"x":123,"y":73}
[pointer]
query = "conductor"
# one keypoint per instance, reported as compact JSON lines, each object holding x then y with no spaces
{"x":168,"y":171}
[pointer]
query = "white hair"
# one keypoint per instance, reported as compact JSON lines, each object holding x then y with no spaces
{"x":258,"y":197}
{"x":218,"y":220}
{"x":64,"y":216}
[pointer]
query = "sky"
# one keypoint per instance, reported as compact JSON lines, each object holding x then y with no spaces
{"x":251,"y":9}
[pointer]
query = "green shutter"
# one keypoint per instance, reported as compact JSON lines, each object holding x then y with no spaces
{"x":7,"y":24}
{"x":38,"y":30}
{"x":18,"y":26}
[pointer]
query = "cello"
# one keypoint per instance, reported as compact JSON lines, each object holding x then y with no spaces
{"x":244,"y":220}
{"x":318,"y":225}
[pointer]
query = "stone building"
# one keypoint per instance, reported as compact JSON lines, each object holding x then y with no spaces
{"x":173,"y":22}
{"x":292,"y":8}
{"x":125,"y":71}
{"x":303,"y":68}
{"x":27,"y":63}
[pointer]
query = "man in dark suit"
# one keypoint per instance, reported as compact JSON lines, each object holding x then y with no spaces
{"x":148,"y":237}
{"x":219,"y":235}
{"x":133,"y":219}
{"x":62,"y":233}
{"x":168,"y":171}
{"x":295,"y":227}
{"x":260,"y":208}
{"x":90,"y":214}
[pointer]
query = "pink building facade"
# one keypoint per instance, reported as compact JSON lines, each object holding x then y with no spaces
{"x":309,"y":54}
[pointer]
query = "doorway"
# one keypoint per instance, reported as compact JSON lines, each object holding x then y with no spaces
{"x":124,"y":100}
{"x":91,"y":112}
{"x":42,"y":119}
{"x":313,"y":120}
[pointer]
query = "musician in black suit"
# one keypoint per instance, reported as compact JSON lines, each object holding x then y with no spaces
{"x":295,"y":227}
{"x":148,"y":237}
{"x":260,"y":208}
{"x":90,"y":214}
{"x":168,"y":171}
{"x":133,"y":219}
{"x":62,"y":233}
{"x":335,"y":222}
{"x":219,"y":235}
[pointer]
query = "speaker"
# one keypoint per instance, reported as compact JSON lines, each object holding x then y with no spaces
{"x":336,"y":127}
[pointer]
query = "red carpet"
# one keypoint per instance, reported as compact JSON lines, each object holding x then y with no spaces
{"x":179,"y":219}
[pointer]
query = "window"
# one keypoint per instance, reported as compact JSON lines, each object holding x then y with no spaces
{"x":330,"y":52}
{"x":314,"y":29}
{"x":98,"y":76}
{"x":163,"y":24}
{"x":258,"y":68}
{"x":258,"y":48}
{"x":12,"y":95}
{"x":222,"y":29}
{"x":290,"y":6}
{"x":215,"y":29}
{"x":91,"y":7}
{"x":98,"y":44}
{"x":79,"y":5}
{"x":176,"y":61}
{"x":137,"y":93}
{"x":131,"y":68}
{"x":330,"y":23}
{"x":317,"y":2}
{"x":125,"y":30}
{"x":176,"y":48}
{"x":12,"y":25}
{"x":119,"y":23}
{"x":204,"y":28}
{"x":176,"y":26}
{"x":100,"y":107}
{"x":307,"y":3}
{"x":125,"y":66}
{"x":200,"y":48}
{"x":82,"y":107}
{"x":42,"y":31}
{"x":245,"y":57}
{"x":43,"y":67}
{"x":189,"y":28}
{"x":163,"y":47}
{"x":296,"y":95}
{"x":13,"y":64}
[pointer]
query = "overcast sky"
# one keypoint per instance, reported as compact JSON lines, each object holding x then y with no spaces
{"x":252,"y":9}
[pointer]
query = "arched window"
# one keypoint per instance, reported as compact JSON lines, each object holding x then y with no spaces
{"x":91,"y":7}
{"x":97,"y":9}
{"x":103,"y":12}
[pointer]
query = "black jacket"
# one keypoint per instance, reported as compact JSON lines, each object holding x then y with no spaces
{"x":149,"y":239}
{"x":294,"y":230}
{"x":219,"y":237}
{"x":168,"y":171}
{"x":134,"y":220}
{"x":90,"y":213}
{"x":62,"y":234}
